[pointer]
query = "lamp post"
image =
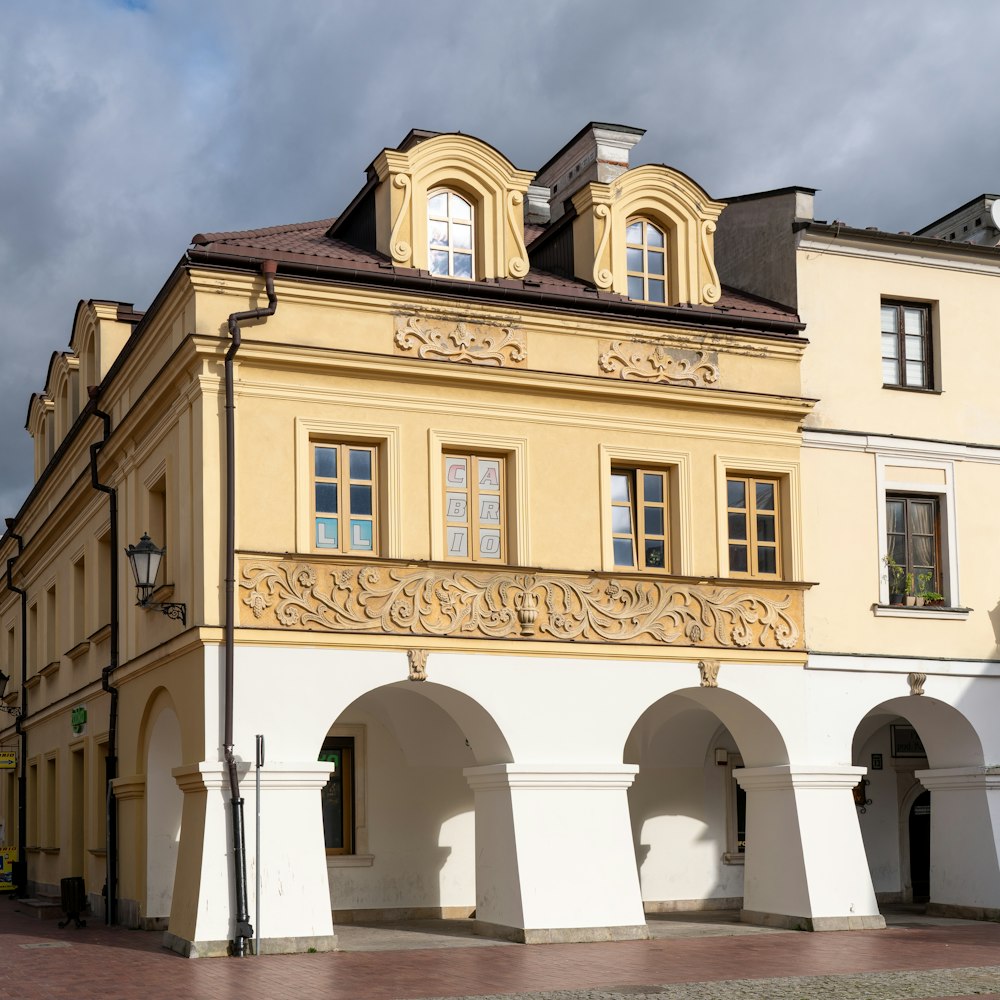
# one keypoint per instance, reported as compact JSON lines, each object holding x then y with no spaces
{"x":145,"y":559}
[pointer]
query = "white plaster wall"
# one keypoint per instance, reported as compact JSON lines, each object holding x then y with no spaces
{"x":880,"y":821}
{"x":164,"y":802}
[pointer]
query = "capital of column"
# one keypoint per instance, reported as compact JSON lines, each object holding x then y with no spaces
{"x":950,"y":778}
{"x":281,"y":776}
{"x":551,"y":776}
{"x":784,"y":776}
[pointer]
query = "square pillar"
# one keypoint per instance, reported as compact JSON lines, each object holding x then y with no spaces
{"x":554,"y":854}
{"x":806,"y":866}
{"x":965,"y":841}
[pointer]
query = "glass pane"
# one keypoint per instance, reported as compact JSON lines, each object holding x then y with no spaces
{"x":889,"y":319}
{"x":439,"y":262}
{"x":737,"y":559}
{"x":333,"y":802}
{"x":439,"y":234}
{"x":657,"y":290}
{"x":489,"y":509}
{"x":458,"y":542}
{"x":765,"y":496}
{"x":896,"y":545}
{"x":489,"y":543}
{"x":653,"y":236}
{"x":765,"y":528}
{"x":623,"y":552}
{"x":456,"y":506}
{"x":361,"y":464}
{"x":915,"y":373}
{"x":438,"y":205}
{"x":634,"y":233}
{"x":489,"y":473}
{"x":913,"y":321}
{"x":914,"y":348}
{"x":326,"y":533}
{"x":361,"y":499}
{"x":326,"y":498}
{"x":460,"y":208}
{"x":890,"y":345}
{"x":923,"y":550}
{"x":922,"y":517}
{"x":654,"y":262}
{"x":890,"y":373}
{"x":634,"y":259}
{"x":326,"y":463}
{"x":767,"y":561}
{"x":653,"y":520}
{"x":736,"y":491}
{"x":455,"y":471}
{"x":620,"y":486}
{"x":652,"y":487}
{"x":461,"y":236}
{"x":895,"y":515}
{"x":621,"y":521}
{"x":737,"y":526}
{"x":463,"y":265}
{"x":361,"y":535}
{"x":635,"y":289}
{"x":654,"y":555}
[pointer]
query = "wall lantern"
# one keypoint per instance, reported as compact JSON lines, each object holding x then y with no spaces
{"x":144,"y":559}
{"x":10,"y":710}
{"x":861,"y":800}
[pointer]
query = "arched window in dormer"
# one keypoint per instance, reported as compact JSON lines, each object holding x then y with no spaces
{"x":646,"y":252}
{"x":450,"y":235}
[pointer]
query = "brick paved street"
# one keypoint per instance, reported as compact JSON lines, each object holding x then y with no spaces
{"x":908,"y":961}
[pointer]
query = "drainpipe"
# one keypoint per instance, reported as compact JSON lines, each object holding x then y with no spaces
{"x":243,"y":930}
{"x":111,"y":826}
{"x":21,"y":871}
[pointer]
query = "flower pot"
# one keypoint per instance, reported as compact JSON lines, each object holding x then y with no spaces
{"x":911,"y":600}
{"x":895,"y":598}
{"x":920,"y":601}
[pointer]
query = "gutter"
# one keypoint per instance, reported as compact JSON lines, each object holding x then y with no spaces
{"x":20,"y":873}
{"x":111,"y":827}
{"x":243,"y":930}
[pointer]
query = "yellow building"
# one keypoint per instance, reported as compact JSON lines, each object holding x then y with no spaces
{"x":486,"y":496}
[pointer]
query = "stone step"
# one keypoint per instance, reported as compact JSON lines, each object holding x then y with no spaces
{"x":43,"y":907}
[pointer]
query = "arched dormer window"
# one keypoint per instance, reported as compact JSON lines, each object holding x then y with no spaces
{"x":645,"y":249}
{"x":450,"y":236}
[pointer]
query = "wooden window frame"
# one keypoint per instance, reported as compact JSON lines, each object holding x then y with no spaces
{"x":900,"y":359}
{"x":645,"y":247}
{"x":908,"y":566}
{"x":749,"y":514}
{"x":450,"y":220}
{"x":473,"y":524}
{"x":637,"y":518}
{"x":344,"y":514}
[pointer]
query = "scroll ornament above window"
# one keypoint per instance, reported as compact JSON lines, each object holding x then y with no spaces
{"x":640,"y":363}
{"x":472,"y":343}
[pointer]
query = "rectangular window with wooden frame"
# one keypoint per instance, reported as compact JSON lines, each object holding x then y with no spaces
{"x":906,"y":345}
{"x":913,"y":543}
{"x":475,"y":507}
{"x":753,"y":516}
{"x":338,"y":795}
{"x":640,"y":519}
{"x":345,"y":498}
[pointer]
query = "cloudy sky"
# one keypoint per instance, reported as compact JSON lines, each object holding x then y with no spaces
{"x":126,"y":127}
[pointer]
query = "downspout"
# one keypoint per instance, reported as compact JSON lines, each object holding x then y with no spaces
{"x":111,"y":826}
{"x":21,"y":871}
{"x":243,"y":929}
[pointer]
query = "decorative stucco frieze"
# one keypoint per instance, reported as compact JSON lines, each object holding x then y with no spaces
{"x":408,"y":600}
{"x":471,"y":343}
{"x":656,"y":363}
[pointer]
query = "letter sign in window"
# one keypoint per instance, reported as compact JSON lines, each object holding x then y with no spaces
{"x":344,"y":498}
{"x":474,"y":508}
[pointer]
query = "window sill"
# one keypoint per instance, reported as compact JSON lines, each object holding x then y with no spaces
{"x":350,"y":860}
{"x":100,"y":635}
{"x":78,"y":650}
{"x":50,"y":668}
{"x":33,"y":681}
{"x":902,"y":611}
{"x":729,"y":858}
{"x":913,"y":388}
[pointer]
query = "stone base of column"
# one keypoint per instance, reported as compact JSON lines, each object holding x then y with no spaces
{"x":958,"y":912}
{"x":268,"y":946}
{"x":788,"y":921}
{"x":562,"y":935}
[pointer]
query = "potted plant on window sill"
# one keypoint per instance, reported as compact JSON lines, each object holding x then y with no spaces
{"x":932,"y":599}
{"x":897,"y":580}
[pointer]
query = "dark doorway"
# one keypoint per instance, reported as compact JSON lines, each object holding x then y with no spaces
{"x":920,"y":848}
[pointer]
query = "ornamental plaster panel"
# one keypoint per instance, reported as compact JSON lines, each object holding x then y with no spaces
{"x":407,"y":600}
{"x":470,"y":343}
{"x":643,"y":363}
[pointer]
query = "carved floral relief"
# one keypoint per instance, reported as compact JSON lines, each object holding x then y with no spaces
{"x":655,"y":363}
{"x":472,"y":343}
{"x":408,"y":600}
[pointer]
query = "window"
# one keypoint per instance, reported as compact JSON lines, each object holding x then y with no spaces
{"x":475,"y":507}
{"x":913,"y":540}
{"x":736,"y":813}
{"x":906,"y":345}
{"x":639,"y":519}
{"x":645,"y":249}
{"x":450,"y":236}
{"x":338,"y":795}
{"x":752,"y":515}
{"x":345,"y":489}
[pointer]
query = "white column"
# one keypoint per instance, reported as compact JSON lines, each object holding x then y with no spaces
{"x":295,"y":896}
{"x":554,"y":853}
{"x":805,"y":859}
{"x":965,"y":841}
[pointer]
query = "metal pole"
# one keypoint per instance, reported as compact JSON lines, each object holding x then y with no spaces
{"x":260,"y":764}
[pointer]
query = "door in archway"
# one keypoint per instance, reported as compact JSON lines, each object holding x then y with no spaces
{"x":920,"y":847}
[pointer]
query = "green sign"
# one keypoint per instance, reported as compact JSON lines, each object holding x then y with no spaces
{"x":78,"y":719}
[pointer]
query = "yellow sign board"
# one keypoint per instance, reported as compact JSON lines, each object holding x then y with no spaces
{"x":8,"y":855}
{"x":8,"y":759}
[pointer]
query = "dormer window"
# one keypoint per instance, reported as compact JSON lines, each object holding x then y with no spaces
{"x":646,"y":261}
{"x":450,"y":236}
